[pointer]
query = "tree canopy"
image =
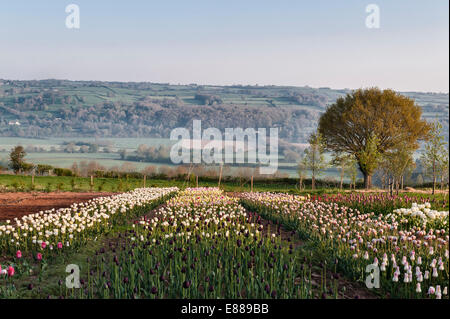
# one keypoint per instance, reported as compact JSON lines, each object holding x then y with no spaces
{"x":370,"y":122}
{"x":17,"y":156}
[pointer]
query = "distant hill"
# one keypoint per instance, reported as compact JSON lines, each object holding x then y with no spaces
{"x":62,"y":108}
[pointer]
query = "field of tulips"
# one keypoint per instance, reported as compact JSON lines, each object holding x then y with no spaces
{"x":383,"y":203}
{"x":56,"y":234}
{"x":200,"y":244}
{"x":412,"y":257}
{"x":203,"y":243}
{"x":72,"y":227}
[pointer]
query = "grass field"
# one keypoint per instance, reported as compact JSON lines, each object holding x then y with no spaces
{"x":109,"y":160}
{"x":63,"y":183}
{"x":13,"y":183}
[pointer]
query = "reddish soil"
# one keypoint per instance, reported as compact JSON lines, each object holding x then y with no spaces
{"x":19,"y":204}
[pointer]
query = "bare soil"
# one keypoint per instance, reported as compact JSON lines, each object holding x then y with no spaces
{"x":19,"y":204}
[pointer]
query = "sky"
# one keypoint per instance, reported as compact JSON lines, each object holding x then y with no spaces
{"x":319,"y":43}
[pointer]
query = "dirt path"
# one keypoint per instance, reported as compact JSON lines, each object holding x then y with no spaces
{"x":19,"y":204}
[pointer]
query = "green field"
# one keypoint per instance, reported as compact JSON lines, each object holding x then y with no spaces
{"x":13,"y":183}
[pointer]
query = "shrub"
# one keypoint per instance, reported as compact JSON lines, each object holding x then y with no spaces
{"x":62,"y":172}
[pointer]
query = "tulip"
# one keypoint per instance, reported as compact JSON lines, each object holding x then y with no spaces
{"x":406,"y":278}
{"x":418,"y":288}
{"x":19,"y":254}
{"x":419,"y":260}
{"x":395,"y":279}
{"x":186,"y":284}
{"x":435,"y":273}
{"x":10,"y":271}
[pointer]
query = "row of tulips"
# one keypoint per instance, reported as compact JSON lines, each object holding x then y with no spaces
{"x":53,"y":230}
{"x":201,"y":244}
{"x":381,"y":203}
{"x":420,"y":215}
{"x":413,"y":263}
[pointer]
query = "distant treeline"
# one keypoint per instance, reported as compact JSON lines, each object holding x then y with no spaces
{"x":38,"y":109}
{"x":60,"y":108}
{"x":143,"y":119}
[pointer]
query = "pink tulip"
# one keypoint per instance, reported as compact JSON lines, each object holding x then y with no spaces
{"x":10,"y":271}
{"x":43,"y":245}
{"x":60,"y":245}
{"x":39,"y":256}
{"x":19,"y":254}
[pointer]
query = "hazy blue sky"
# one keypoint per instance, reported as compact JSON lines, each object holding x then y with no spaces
{"x":316,"y":43}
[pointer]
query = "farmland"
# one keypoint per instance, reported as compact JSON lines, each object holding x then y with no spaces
{"x":46,"y":116}
{"x":17,"y":183}
{"x":204,"y":242}
{"x":124,"y":115}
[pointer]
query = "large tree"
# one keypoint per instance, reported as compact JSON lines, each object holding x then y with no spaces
{"x":16,"y":158}
{"x":369,"y":122}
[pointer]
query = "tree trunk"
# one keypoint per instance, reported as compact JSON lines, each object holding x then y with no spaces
{"x":342,"y":179}
{"x":367,"y":180}
{"x":313,"y":182}
{"x":391,"y":187}
{"x":402,"y":182}
{"x":434,"y":177}
{"x":434,"y":184}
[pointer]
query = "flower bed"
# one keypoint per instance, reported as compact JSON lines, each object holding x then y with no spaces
{"x":420,"y":215}
{"x":413,"y":262}
{"x":380,"y":203}
{"x":72,"y":227}
{"x":201,"y":244}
